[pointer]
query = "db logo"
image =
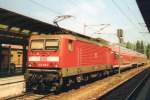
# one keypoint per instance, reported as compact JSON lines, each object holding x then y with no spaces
{"x":43,"y":59}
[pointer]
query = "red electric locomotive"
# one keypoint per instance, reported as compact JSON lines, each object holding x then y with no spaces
{"x":54,"y":60}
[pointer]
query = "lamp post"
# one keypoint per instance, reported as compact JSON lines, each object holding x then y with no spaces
{"x":120,"y":38}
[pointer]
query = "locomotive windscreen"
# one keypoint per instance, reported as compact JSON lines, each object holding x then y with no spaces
{"x":51,"y":44}
{"x":44,"y":44}
{"x":37,"y":44}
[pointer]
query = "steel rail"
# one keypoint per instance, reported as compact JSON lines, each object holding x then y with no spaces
{"x":138,"y":87}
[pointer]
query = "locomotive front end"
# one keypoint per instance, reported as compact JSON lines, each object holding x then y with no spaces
{"x":43,"y":72}
{"x":43,"y":53}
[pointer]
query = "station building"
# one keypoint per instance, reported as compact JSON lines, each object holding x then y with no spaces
{"x":11,"y":59}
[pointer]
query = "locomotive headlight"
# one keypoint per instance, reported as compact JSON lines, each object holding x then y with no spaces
{"x":29,"y":65}
{"x":34,"y":58}
{"x":53,"y":58}
{"x":55,"y":65}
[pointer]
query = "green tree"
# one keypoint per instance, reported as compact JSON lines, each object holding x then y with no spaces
{"x":138,"y":47}
{"x":148,"y":51}
{"x":134,"y":47}
{"x":142,"y":47}
{"x":128,"y":45}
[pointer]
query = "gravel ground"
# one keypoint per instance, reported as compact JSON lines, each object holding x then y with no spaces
{"x":98,"y":88}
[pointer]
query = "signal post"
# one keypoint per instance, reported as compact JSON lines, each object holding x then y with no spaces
{"x":120,"y":38}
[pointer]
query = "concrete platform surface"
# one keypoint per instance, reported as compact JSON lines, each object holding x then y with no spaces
{"x":11,"y":79}
{"x":11,"y":86}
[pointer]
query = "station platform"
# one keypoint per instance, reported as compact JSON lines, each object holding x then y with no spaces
{"x":12,"y":79}
{"x":11,"y":86}
{"x":144,"y":92}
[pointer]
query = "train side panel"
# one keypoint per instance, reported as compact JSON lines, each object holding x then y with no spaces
{"x":83,"y":57}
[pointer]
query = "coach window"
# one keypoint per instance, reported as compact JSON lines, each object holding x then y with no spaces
{"x":70,"y":45}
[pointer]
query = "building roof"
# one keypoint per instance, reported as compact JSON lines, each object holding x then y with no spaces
{"x":17,"y":20}
{"x":13,"y":19}
{"x":144,"y":6}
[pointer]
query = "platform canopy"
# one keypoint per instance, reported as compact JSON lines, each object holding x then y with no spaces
{"x":24,"y":26}
{"x":23,"y":22}
{"x":144,"y":6}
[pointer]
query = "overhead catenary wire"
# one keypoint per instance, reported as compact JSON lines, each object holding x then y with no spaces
{"x":76,"y":21}
{"x":43,"y":6}
{"x":133,"y":13}
{"x":56,"y":12}
{"x":138,"y":23}
{"x":52,"y":10}
{"x":123,"y":13}
{"x":128,"y":18}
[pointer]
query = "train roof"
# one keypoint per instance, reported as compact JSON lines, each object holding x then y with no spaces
{"x":97,"y":41}
{"x":125,"y":50}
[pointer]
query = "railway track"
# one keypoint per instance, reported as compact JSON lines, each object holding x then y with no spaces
{"x":69,"y":91}
{"x":133,"y":95}
{"x":29,"y":96}
{"x":128,"y":90}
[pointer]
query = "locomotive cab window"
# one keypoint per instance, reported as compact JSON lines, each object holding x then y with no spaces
{"x":37,"y":44}
{"x":70,"y":45}
{"x":52,"y":44}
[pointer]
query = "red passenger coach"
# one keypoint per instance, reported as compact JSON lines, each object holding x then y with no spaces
{"x":55,"y":60}
{"x":128,"y":57}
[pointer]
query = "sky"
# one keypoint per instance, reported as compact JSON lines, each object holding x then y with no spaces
{"x":108,"y":15}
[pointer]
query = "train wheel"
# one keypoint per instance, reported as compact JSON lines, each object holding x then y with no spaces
{"x":100,"y":75}
{"x":79,"y":78}
{"x":69,"y":82}
{"x":86,"y":78}
{"x":57,"y":86}
{"x":42,"y":88}
{"x":106,"y":73}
